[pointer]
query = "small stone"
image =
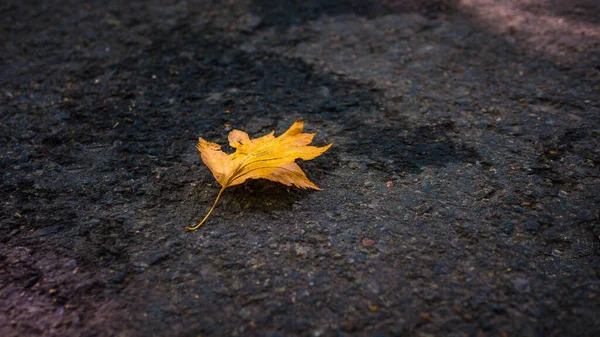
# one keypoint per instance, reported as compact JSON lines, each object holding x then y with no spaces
{"x":32,"y":281}
{"x":63,"y":115}
{"x":497,"y":308}
{"x":521,"y":285}
{"x":300,"y":251}
{"x":324,"y":91}
{"x":71,"y":263}
{"x":48,"y":230}
{"x":368,"y":242}
{"x":118,"y":277}
{"x":354,"y":165}
{"x":430,"y":296}
{"x":531,"y":225}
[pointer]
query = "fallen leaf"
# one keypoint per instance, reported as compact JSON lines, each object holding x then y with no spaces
{"x":267,"y":157}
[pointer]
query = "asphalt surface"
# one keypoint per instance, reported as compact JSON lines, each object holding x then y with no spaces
{"x":460,"y":197}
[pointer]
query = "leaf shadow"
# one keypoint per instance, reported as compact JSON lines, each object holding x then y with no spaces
{"x":262,"y":195}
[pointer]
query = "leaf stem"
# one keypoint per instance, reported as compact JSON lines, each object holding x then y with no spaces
{"x":210,"y":211}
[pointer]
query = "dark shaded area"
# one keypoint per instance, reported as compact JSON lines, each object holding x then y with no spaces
{"x":459,"y":198}
{"x":577,"y":10}
{"x":292,"y":12}
{"x":424,"y":146}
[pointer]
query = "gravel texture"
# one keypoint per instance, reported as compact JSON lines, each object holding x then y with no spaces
{"x":460,"y":197}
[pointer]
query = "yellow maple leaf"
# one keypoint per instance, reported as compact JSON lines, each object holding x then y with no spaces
{"x":267,"y":157}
